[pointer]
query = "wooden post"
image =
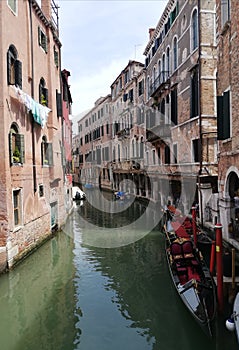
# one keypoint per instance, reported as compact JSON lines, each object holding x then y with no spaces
{"x":218,"y":229}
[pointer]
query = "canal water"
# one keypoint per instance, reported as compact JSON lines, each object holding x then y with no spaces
{"x":100,"y":284}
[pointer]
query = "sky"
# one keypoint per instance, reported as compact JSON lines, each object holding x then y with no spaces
{"x":98,"y":40}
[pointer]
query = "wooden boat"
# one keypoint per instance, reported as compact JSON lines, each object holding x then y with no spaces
{"x":78,"y":194}
{"x":192,"y":278}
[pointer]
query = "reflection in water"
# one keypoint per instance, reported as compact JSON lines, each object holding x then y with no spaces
{"x":71,"y":295}
{"x":36,"y":300}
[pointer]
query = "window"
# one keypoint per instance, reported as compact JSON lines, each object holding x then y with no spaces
{"x":13,"y":5}
{"x":174,"y":106}
{"x":154,"y":158}
{"x":175,"y":153}
{"x":223,"y":116}
{"x":41,"y":190}
{"x":167,"y":154}
{"x":56,"y":57}
{"x":159,"y":156}
{"x":42,"y":39}
{"x":59,"y":104}
{"x":43,"y":93}
{"x":16,"y":146}
{"x":17,"y":207}
{"x":225,"y":11}
{"x":14,"y":67}
{"x":196,"y":150}
{"x":194,"y":30}
{"x":194,"y":107}
{"x":46,"y":152}
{"x":141,"y":87}
{"x":175,"y":53}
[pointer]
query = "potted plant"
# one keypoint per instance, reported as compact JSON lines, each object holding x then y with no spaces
{"x":16,"y":155}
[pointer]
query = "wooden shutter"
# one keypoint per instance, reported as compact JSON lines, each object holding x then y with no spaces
{"x":220,"y":118}
{"x":21,"y":146}
{"x":59,"y":104}
{"x":39,"y":36}
{"x":49,"y":153}
{"x":10,"y":148}
{"x":18,"y":73}
{"x":9,"y":68}
{"x":226,"y":114}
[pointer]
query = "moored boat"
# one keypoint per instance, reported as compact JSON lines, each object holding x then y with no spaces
{"x":232,"y":323}
{"x":192,"y":279}
{"x":78,"y":194}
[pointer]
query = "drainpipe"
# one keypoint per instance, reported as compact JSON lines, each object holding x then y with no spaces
{"x":199,"y":110}
{"x":32,"y":93}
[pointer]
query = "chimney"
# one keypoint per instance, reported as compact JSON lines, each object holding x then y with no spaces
{"x":151,"y":32}
{"x":46,"y":8}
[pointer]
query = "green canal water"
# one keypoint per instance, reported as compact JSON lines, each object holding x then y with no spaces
{"x":85,"y":289}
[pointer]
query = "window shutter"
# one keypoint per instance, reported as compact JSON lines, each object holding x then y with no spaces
{"x":9,"y":68}
{"x":18,"y":73}
{"x":42,"y":153}
{"x":49,"y":154}
{"x":46,"y":44}
{"x":39,"y":35}
{"x":59,"y":104}
{"x":226,"y":114}
{"x":220,"y":118}
{"x":21,"y":146}
{"x":10,"y":148}
{"x":40,"y":92}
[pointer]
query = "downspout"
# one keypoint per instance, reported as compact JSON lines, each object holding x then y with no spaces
{"x":32,"y":93}
{"x":199,"y":109}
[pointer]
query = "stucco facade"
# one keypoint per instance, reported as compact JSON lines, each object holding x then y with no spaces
{"x":31,"y":183}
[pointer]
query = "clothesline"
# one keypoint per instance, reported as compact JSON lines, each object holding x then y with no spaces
{"x":39,"y":112}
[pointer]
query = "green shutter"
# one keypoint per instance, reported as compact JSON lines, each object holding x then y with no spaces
{"x":39,"y":35}
{"x":18,"y":73}
{"x":10,"y":148}
{"x":22,"y":148}
{"x":220,"y":118}
{"x":8,"y":68}
{"x":226,"y":114}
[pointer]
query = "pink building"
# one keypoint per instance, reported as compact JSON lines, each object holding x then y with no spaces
{"x":31,"y":173}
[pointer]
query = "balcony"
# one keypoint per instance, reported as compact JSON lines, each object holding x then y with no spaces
{"x":162,"y":82}
{"x":123,"y":134}
{"x":158,"y":132}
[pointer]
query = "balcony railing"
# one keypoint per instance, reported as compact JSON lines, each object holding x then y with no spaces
{"x":158,"y":132}
{"x":161,"y":82}
{"x":124,"y":133}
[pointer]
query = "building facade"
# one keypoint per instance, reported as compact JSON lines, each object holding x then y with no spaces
{"x":32,"y":181}
{"x":227,"y":113}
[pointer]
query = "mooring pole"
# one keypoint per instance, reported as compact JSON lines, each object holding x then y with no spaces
{"x":218,"y":229}
{"x":194,"y":224}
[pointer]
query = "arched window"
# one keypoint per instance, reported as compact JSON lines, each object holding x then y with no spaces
{"x":16,"y":146}
{"x":175,"y":53}
{"x":194,"y":31}
{"x":46,"y":152}
{"x":14,"y":68}
{"x":163,"y":69}
{"x":43,"y":93}
{"x":141,"y":148}
{"x":167,"y":63}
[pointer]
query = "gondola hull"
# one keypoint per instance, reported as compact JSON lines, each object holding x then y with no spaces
{"x":193,"y":282}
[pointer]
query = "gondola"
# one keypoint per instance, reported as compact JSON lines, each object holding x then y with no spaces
{"x":191,"y":278}
{"x":232,"y":323}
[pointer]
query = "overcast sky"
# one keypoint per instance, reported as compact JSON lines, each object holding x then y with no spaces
{"x":98,"y":39}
